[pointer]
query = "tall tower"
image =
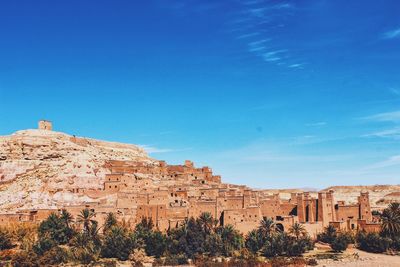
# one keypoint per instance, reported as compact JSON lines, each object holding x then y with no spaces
{"x":364,"y":207}
{"x":45,"y":125}
{"x":326,"y":209}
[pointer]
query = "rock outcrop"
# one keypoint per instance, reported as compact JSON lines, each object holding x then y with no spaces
{"x":44,"y":169}
{"x":380,"y":195}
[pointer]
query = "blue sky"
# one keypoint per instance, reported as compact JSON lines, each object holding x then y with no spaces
{"x":271,"y":94}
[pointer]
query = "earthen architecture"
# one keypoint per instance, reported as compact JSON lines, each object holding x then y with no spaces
{"x":169,"y":194}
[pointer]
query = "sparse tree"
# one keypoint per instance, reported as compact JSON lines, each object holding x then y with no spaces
{"x":207,"y":222}
{"x":297,"y":230}
{"x":110,"y":221}
{"x":391,"y":220}
{"x":86,"y":218}
{"x":267,"y":227}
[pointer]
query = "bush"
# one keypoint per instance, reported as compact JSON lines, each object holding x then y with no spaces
{"x":177,"y":259}
{"x":56,"y":228}
{"x":253,"y":241}
{"x":282,"y":244}
{"x":117,"y":243}
{"x":25,"y":259}
{"x":296,"y":247}
{"x":396,"y":243}
{"x":84,"y":256}
{"x":155,"y":243}
{"x":340,"y":243}
{"x":43,"y":245}
{"x":373,"y":242}
{"x":5,"y":240}
{"x":54,"y":256}
{"x":328,"y":235}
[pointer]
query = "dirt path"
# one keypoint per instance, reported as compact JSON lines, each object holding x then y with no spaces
{"x":365,"y":259}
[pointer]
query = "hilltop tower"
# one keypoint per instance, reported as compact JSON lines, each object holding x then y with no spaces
{"x":45,"y":125}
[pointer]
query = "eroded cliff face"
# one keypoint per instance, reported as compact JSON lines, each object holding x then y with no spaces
{"x":379,"y":195}
{"x":44,"y":169}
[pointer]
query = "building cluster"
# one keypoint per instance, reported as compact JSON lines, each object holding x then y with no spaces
{"x":169,"y":194}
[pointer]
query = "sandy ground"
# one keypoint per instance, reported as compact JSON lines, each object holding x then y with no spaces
{"x":357,"y":258}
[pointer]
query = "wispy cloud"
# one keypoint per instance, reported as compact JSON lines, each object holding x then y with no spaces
{"x":391,"y":161}
{"x":296,"y":66}
{"x":392,"y":34}
{"x":390,"y":133}
{"x":393,"y":116}
{"x":257,"y":24}
{"x":248,"y":35}
{"x":272,"y":56}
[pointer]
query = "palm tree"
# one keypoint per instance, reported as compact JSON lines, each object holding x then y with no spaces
{"x":86,"y":217}
{"x":391,"y":220}
{"x":66,"y":217}
{"x":267,"y":227}
{"x":254,"y":241}
{"x":94,"y":234}
{"x":207,"y":222}
{"x":110,"y":221}
{"x":231,"y":239}
{"x":297,"y":230}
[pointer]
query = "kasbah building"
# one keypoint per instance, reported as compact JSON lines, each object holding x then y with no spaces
{"x":184,"y":191}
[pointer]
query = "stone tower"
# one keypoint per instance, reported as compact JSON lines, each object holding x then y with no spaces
{"x":365,"y":208}
{"x":326,"y":208}
{"x":45,"y":125}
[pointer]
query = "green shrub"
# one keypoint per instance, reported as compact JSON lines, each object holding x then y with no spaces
{"x":281,"y":244}
{"x":328,"y":235}
{"x":57,"y":228}
{"x":340,"y":243}
{"x":155,"y":243}
{"x":54,"y":256}
{"x":43,"y":245}
{"x":25,"y":259}
{"x":296,"y":247}
{"x":84,"y":256}
{"x":178,"y":259}
{"x":373,"y":242}
{"x":253,"y":241}
{"x":396,"y":243}
{"x":5,"y":240}
{"x":117,"y":243}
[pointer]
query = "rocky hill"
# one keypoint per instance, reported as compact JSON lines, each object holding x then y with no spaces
{"x":42,"y":169}
{"x":380,"y":195}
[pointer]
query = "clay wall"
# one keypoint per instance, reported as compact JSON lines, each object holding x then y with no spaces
{"x":347,"y":212}
{"x":369,"y":227}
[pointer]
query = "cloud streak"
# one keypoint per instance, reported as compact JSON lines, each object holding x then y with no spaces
{"x":392,"y":34}
{"x":391,"y":133}
{"x":393,"y":116}
{"x":391,"y":161}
